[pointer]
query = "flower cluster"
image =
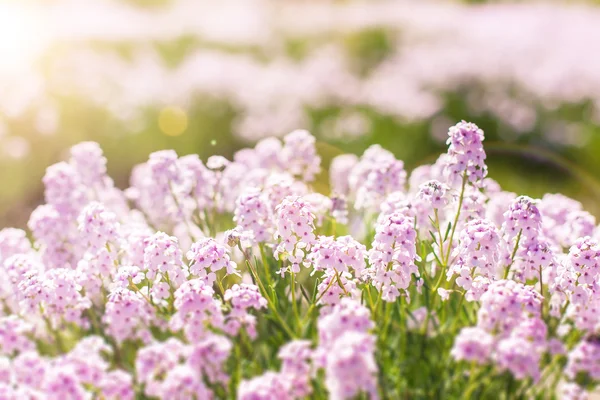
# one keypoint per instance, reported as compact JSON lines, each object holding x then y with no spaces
{"x":466,"y":154}
{"x":393,"y":255}
{"x":255,"y":287}
{"x":295,"y":230}
{"x":346,"y":350}
{"x":479,"y":257}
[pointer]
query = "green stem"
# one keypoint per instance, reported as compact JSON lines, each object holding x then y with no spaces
{"x":380,"y":296}
{"x":456,"y":317}
{"x":473,"y":382}
{"x":100,"y":331}
{"x":294,"y":303}
{"x":370,"y":299}
{"x":386,"y":321}
{"x":339,"y":281}
{"x":437,"y":223}
{"x":439,"y":281}
{"x":171,"y":294}
{"x":221,"y":288}
{"x":509,"y":385}
{"x":55,"y":334}
{"x":514,"y":253}
{"x":137,"y":290}
{"x":281,"y":321}
{"x":263,"y":257}
{"x":209,"y":225}
{"x":542,"y":293}
{"x":546,"y":373}
{"x":460,"y":202}
{"x":313,"y":305}
{"x":237,"y":372}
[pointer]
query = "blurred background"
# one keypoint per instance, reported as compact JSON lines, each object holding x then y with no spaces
{"x":210,"y":77}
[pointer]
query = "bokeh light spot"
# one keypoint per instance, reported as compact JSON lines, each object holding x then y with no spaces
{"x":173,"y":121}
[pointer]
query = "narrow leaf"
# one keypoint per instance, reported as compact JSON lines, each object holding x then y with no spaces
{"x":447,"y":231}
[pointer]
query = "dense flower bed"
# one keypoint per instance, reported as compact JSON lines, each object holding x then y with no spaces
{"x":235,"y":279}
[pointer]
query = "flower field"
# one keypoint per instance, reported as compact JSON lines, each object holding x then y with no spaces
{"x":235,"y":279}
{"x":283,"y":199}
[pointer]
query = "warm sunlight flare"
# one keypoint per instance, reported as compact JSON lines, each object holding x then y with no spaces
{"x":21,"y":36}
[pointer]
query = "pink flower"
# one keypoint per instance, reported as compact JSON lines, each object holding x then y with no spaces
{"x":295,"y":230}
{"x":253,"y":215}
{"x":393,"y":255}
{"x":340,"y":254}
{"x":163,"y":257}
{"x":197,"y":309}
{"x":444,"y":294}
{"x":243,"y":297}
{"x":473,"y":344}
{"x":435,"y":194}
{"x":519,"y":356}
{"x":351,"y":368}
{"x":466,"y":153}
{"x":269,"y":386}
{"x":299,"y":155}
{"x":208,"y":256}
{"x":523,"y":216}
{"x":128,"y":315}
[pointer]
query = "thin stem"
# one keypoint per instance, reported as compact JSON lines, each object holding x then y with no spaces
{"x":456,"y":318}
{"x":379,"y":298}
{"x":337,"y":275}
{"x":370,"y":299}
{"x":542,"y":293}
{"x":221,"y":288}
{"x":265,"y":262}
{"x":473,"y":382}
{"x":100,"y":331}
{"x":137,"y":290}
{"x":439,"y":231}
{"x":209,"y":224}
{"x":460,"y":202}
{"x":171,"y":294}
{"x":313,"y":305}
{"x":386,"y":321}
{"x":439,"y":281}
{"x":55,"y":334}
{"x":180,"y":209}
{"x":546,"y":373}
{"x":514,"y":253}
{"x":294,"y":303}
{"x":509,"y":385}
{"x":281,"y":321}
{"x":430,"y":307}
{"x":237,"y":372}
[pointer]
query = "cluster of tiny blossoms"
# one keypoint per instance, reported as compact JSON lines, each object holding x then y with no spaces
{"x":236,"y":279}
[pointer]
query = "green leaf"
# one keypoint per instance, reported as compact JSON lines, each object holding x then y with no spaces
{"x":432,"y":221}
{"x":304,"y":293}
{"x":447,"y":231}
{"x":433,"y":237}
{"x":315,"y":291}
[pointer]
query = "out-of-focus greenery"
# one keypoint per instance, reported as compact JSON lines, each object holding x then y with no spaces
{"x":528,"y":164}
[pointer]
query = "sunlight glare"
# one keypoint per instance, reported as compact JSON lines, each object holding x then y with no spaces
{"x":21,"y":36}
